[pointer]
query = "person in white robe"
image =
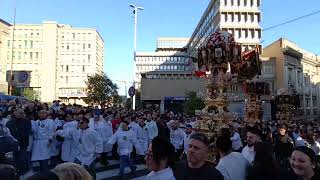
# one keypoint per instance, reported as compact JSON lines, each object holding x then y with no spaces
{"x":152,"y":128}
{"x":68,"y":148}
{"x":125,"y":139}
{"x":104,"y":128}
{"x":142,"y":138}
{"x":186,"y":138}
{"x":89,"y":143}
{"x":176,"y":137}
{"x":43,"y":134}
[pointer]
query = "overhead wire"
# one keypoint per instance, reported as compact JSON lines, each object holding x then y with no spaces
{"x":292,"y":20}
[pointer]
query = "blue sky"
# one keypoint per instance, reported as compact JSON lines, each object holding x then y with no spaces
{"x":114,"y":21}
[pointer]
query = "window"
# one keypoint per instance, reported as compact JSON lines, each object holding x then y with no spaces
{"x":31,"y":34}
{"x":67,"y":79}
{"x":252,"y":33}
{"x":83,"y":68}
{"x":89,"y":46}
{"x":8,"y":43}
{"x":31,"y":44}
{"x":38,"y":34}
{"x":31,"y":54}
{"x":299,"y":77}
{"x":67,"y":47}
{"x":67,"y":68}
{"x":13,"y":54}
{"x":25,"y":55}
{"x":25,"y":43}
{"x":19,"y":55}
{"x":73,"y":35}
{"x":84,"y":46}
{"x":37,"y":55}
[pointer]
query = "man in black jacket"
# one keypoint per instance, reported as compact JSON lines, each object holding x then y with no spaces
{"x":20,"y":129}
{"x":197,"y":167}
{"x":283,"y":145}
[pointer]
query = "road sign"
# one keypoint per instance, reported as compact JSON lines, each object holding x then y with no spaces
{"x":131,"y":91}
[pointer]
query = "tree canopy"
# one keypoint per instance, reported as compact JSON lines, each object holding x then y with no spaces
{"x":100,"y":89}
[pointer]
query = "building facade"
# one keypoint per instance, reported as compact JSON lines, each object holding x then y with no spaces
{"x":239,"y":17}
{"x":58,"y":56}
{"x":170,"y":56}
{"x":298,"y":71}
{"x":4,"y":34}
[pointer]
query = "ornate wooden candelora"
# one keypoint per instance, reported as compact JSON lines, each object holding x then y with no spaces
{"x":214,"y":59}
{"x":285,"y":106}
{"x":254,"y":106}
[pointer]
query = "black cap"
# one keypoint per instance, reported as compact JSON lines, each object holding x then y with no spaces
{"x":307,"y":151}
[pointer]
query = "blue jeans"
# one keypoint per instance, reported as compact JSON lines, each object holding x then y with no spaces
{"x":124,"y":162}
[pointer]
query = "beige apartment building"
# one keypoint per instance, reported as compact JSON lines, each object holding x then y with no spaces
{"x":4,"y":34}
{"x":58,"y":57}
{"x":298,"y":71}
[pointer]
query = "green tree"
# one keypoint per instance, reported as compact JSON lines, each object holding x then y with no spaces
{"x":100,"y":89}
{"x":30,"y":94}
{"x":193,"y":103}
{"x":117,"y":100}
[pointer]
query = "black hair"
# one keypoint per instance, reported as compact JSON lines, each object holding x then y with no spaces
{"x":163,"y":149}
{"x":254,"y":130}
{"x":200,"y":137}
{"x":223,"y":142}
{"x":85,"y":119}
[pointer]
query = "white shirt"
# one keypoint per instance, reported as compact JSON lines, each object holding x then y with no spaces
{"x":248,"y":153}
{"x":104,"y":128}
{"x":134,"y":126}
{"x":43,"y":131}
{"x":88,"y":142}
{"x":233,"y":166}
{"x":152,"y":129}
{"x":4,"y":121}
{"x":125,"y":140}
{"x":176,"y":137}
{"x":236,"y":141}
{"x":164,"y":174}
{"x":186,"y":140}
{"x":299,"y":141}
{"x":316,"y":147}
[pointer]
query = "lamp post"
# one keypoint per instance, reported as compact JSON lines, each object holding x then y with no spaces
{"x":135,"y":13}
{"x":12,"y":46}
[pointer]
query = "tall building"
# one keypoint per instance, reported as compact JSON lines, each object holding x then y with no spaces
{"x":239,"y":17}
{"x":4,"y":34}
{"x":170,"y":56}
{"x":298,"y":71}
{"x":58,"y":58}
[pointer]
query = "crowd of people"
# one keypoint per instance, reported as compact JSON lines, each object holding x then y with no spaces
{"x":67,"y":141}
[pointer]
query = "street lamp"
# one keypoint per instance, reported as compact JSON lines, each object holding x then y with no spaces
{"x":135,"y":12}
